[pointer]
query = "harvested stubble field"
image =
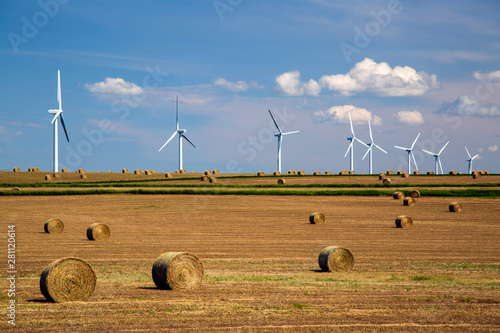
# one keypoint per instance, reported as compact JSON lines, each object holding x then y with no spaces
{"x":260,"y":255}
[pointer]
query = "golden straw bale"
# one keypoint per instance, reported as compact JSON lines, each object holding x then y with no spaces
{"x":208,"y":172}
{"x":415,"y":194}
{"x":382,"y":176}
{"x":16,"y":169}
{"x":317,"y":218}
{"x":260,"y":173}
{"x":124,"y":170}
{"x":398,"y":195}
{"x":343,"y":172}
{"x":430,"y":172}
{"x":215,"y":172}
{"x":178,"y":271}
{"x":455,"y":207}
{"x":48,"y":177}
{"x":404,"y":221}
{"x":281,"y":181}
{"x":213,"y":180}
{"x":409,"y":201}
{"x":453,"y":172}
{"x":277,"y":173}
{"x":168,"y":175}
{"x":416,"y":172}
{"x":387,"y":181}
{"x":98,"y":232}
{"x":390,"y":172}
{"x":328,"y":172}
{"x":335,"y":259}
{"x":405,"y":175}
{"x":301,"y":172}
{"x":64,"y":170}
{"x":317,"y":173}
{"x":204,"y":178}
{"x":53,"y":226}
{"x":137,"y":171}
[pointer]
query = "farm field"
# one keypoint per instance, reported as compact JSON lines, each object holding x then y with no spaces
{"x":260,"y":256}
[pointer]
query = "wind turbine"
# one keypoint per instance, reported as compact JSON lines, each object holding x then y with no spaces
{"x":181,"y":136}
{"x":470,"y":160}
{"x":410,"y":152}
{"x":437,"y":160}
{"x":351,"y":145}
{"x":371,"y":145}
{"x":58,"y":113}
{"x":280,"y":138}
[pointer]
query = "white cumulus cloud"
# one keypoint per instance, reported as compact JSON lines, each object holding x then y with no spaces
{"x":493,"y":77}
{"x":380,"y":79}
{"x":340,"y":115}
{"x":289,"y":84}
{"x":236,"y":86}
{"x":117,"y":86}
{"x":493,"y":148}
{"x":469,"y":106}
{"x":410,"y":118}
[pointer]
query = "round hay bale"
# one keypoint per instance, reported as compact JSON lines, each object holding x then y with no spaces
{"x":260,"y":173}
{"x":168,"y":175}
{"x":335,"y":259}
{"x":476,"y":175}
{"x":83,"y":176}
{"x":182,"y":170}
{"x":124,"y":170}
{"x":53,"y":226}
{"x":328,"y":172}
{"x":30,"y":170}
{"x":416,"y":172}
{"x":415,"y":194}
{"x":204,"y":178}
{"x":16,"y":189}
{"x":277,"y":173}
{"x":98,"y":232}
{"x":351,"y":172}
{"x":404,"y":221}
{"x":405,"y":175}
{"x":430,"y":172}
{"x":453,"y":172}
{"x":16,"y":169}
{"x":481,"y":172}
{"x":148,"y":172}
{"x":301,"y":172}
{"x":177,"y":171}
{"x":317,"y":173}
{"x":213,"y":180}
{"x":382,"y":176}
{"x":68,"y":279}
{"x":343,"y":172}
{"x":81,"y":170}
{"x":387,"y":181}
{"x":64,"y":170}
{"x":178,"y":270}
{"x":48,"y":177}
{"x":37,"y":170}
{"x":455,"y":207}
{"x":400,"y":172}
{"x":208,"y":172}
{"x":409,"y":201}
{"x":398,"y":195}
{"x":137,"y":171}
{"x":390,"y":172}
{"x":290,"y":172}
{"x":215,"y":172}
{"x":488,"y":172}
{"x":56,"y":175}
{"x":281,"y":181}
{"x":153,"y":171}
{"x":317,"y":218}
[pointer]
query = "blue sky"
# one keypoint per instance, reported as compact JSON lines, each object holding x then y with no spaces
{"x":407,"y":66}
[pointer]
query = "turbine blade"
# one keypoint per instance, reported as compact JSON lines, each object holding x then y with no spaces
{"x":414,"y":160}
{"x":415,"y":141}
{"x":367,"y":152}
{"x":64,"y":127}
{"x":474,"y":156}
{"x":440,"y":165}
{"x":348,"y":148}
{"x":350,"y":121}
{"x":59,"y":97}
{"x":379,"y":148}
{"x":168,"y":141}
{"x":370,"y":127}
{"x":360,"y":142}
{"x":401,"y":147}
{"x":177,"y":113}
{"x":290,"y":132}
{"x":428,"y":152}
{"x":443,"y":148}
{"x":467,"y":150}
{"x":188,"y":140}
{"x":55,"y":116}
{"x":275,"y":123}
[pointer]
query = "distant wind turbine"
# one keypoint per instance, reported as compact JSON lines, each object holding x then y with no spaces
{"x":58,"y":113}
{"x":371,"y":145}
{"x":351,"y":145}
{"x":280,"y":138}
{"x":470,"y":160}
{"x":181,"y":136}
{"x":410,"y":152}
{"x":437,"y":160}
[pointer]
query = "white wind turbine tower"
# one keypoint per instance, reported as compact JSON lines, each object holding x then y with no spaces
{"x":410,"y":152}
{"x":58,"y":113}
{"x":470,"y":160}
{"x":351,"y":145}
{"x":280,"y":138}
{"x":437,"y":160}
{"x":181,"y":136}
{"x":371,"y":145}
